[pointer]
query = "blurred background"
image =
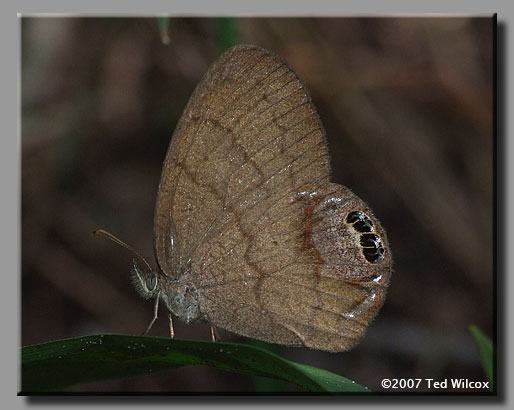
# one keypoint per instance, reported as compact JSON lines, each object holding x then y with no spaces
{"x":407,"y":104}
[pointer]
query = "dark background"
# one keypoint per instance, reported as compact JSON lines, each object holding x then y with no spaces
{"x":408,"y":108}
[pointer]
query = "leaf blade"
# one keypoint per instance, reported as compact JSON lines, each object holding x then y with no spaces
{"x":62,"y":363}
{"x":485,"y":348}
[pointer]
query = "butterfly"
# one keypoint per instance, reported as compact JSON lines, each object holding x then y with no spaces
{"x":250,"y":235}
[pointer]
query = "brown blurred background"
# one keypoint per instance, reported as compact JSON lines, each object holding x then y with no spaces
{"x":408,"y":108}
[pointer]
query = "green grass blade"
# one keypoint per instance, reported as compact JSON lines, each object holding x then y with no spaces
{"x":485,"y":348}
{"x":164,"y":23}
{"x":227,"y":33}
{"x":266,"y":384}
{"x":62,"y":363}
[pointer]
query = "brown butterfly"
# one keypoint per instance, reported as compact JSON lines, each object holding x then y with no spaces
{"x":249,"y":234}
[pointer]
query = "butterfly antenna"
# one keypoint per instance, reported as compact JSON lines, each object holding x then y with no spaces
{"x":120,"y":242}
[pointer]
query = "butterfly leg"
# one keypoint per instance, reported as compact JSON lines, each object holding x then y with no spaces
{"x":172,"y":331}
{"x":155,"y":311}
{"x":214,"y":334}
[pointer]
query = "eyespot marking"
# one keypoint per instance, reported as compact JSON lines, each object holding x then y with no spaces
{"x":370,"y":243}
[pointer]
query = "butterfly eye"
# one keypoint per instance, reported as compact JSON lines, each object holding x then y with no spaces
{"x":145,"y":282}
{"x":151,"y":283}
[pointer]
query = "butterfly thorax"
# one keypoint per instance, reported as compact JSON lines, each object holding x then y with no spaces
{"x":180,"y":299}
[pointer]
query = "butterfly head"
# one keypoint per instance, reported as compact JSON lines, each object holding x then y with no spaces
{"x":145,"y":282}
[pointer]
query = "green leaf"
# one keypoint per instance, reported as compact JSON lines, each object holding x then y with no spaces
{"x":266,"y":384}
{"x":62,"y":363}
{"x":227,"y":33}
{"x":164,"y":23}
{"x":485,"y":348}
